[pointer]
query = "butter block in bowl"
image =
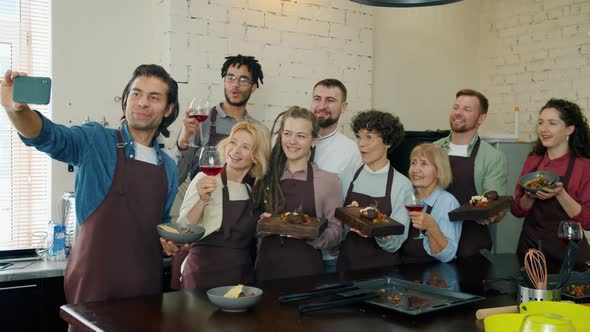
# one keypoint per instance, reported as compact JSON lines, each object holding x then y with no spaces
{"x":234,"y":298}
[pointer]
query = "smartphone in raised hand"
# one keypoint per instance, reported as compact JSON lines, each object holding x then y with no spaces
{"x":32,"y":90}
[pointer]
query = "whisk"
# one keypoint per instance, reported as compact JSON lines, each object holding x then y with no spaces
{"x":536,"y":268}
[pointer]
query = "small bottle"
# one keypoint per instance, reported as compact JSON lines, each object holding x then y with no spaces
{"x":56,"y":241}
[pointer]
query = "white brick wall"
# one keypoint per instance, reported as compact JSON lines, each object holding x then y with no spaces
{"x":297,"y":42}
{"x":531,"y":51}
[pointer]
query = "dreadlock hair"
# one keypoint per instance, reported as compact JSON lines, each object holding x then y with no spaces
{"x":268,"y":194}
{"x":571,"y":114}
{"x":171,"y":97}
{"x":253,"y":66}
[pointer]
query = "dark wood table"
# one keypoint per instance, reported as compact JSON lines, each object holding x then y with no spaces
{"x":191,"y":310}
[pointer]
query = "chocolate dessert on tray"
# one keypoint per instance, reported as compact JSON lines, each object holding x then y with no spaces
{"x":369,"y":221}
{"x":295,"y":223}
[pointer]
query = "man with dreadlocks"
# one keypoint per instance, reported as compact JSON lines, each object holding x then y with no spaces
{"x":241,"y":75}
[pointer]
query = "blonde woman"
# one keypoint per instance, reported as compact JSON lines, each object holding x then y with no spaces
{"x":430,"y":173}
{"x":223,"y":205}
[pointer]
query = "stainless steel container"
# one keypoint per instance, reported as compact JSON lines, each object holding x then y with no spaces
{"x":526,"y":294}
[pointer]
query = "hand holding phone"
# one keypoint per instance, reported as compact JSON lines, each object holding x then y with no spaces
{"x":32,"y":90}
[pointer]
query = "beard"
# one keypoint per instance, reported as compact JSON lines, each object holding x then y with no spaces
{"x":325,"y":123}
{"x":238,"y":103}
{"x":460,"y":128}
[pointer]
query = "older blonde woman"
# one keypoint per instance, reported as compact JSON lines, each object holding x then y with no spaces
{"x":430,"y":173}
{"x":223,"y":205}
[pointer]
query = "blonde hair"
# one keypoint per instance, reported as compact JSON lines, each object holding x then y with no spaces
{"x":260,"y":150}
{"x":438,"y":157}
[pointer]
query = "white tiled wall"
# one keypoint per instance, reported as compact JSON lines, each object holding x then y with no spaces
{"x":531,"y":51}
{"x":297,"y":43}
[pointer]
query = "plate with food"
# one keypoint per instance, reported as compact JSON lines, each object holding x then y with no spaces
{"x":234,"y":298}
{"x":181,"y":233}
{"x":294,"y":223}
{"x":481,"y":207}
{"x":576,"y":291}
{"x":369,"y":221}
{"x":537,"y":181}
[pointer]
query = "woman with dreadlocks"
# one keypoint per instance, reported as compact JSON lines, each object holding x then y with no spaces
{"x":293,"y":182}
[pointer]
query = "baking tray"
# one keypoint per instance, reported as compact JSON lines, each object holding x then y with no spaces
{"x":414,"y":299}
{"x":352,"y":216}
{"x":577,"y":279}
{"x":276,"y":225}
{"x":470,"y":212}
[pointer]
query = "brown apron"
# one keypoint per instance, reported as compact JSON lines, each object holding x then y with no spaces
{"x":176,"y":260}
{"x":117,"y":253}
{"x":357,"y":252}
{"x":412,"y":251}
{"x":282,"y":257}
{"x":542,"y":224}
{"x":474,"y":236}
{"x":224,"y":257}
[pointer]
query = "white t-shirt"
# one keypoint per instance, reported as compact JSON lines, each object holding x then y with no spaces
{"x":145,"y":153}
{"x":335,"y":153}
{"x":458,"y":150}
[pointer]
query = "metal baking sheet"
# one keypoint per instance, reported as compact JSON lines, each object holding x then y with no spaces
{"x":409,"y":297}
{"x":577,"y":279}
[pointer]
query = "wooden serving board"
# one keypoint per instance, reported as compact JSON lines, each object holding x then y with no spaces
{"x":276,"y":225}
{"x":352,"y":217}
{"x":470,"y":212}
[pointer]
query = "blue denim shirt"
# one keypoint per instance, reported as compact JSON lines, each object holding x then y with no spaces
{"x":92,"y":149}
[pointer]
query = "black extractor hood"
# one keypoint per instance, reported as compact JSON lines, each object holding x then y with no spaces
{"x":404,"y":3}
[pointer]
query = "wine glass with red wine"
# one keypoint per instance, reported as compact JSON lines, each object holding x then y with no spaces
{"x":414,"y":205}
{"x":569,"y":230}
{"x":199,"y":110}
{"x":210,"y":161}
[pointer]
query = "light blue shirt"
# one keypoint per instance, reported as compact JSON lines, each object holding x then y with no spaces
{"x":92,"y":149}
{"x":373,"y":184}
{"x":442,"y":203}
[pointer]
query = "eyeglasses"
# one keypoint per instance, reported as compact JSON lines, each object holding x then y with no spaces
{"x":242,"y":81}
{"x":366,"y":138}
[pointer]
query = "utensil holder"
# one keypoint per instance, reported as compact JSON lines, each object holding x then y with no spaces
{"x":526,"y":294}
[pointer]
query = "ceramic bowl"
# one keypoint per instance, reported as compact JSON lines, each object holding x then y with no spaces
{"x":179,"y":238}
{"x":253,"y":296}
{"x":534,"y":175}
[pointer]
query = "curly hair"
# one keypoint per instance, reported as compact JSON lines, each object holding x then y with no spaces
{"x":171,"y":98}
{"x":249,"y":61}
{"x":571,"y":114}
{"x":268,"y":194}
{"x":386,"y":124}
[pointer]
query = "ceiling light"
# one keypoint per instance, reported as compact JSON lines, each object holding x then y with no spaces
{"x":404,"y":3}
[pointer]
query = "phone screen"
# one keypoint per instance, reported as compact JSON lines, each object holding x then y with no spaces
{"x":32,"y":90}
